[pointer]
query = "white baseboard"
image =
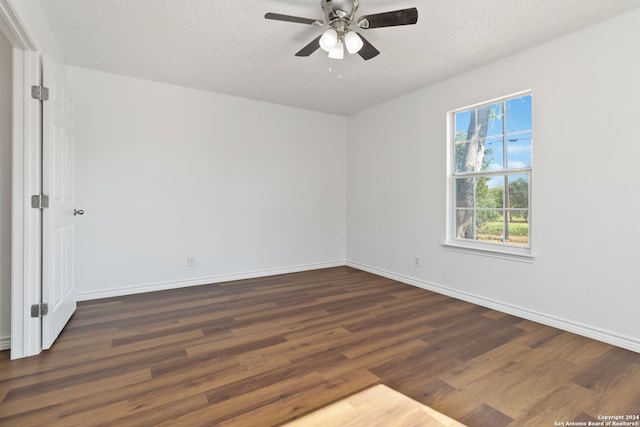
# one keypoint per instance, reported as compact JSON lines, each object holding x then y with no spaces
{"x":545,"y":319}
{"x":162,"y":286}
{"x":5,"y":343}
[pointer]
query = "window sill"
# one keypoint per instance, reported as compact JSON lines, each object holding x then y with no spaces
{"x":518,"y":254}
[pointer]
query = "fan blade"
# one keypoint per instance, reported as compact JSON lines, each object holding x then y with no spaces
{"x":389,"y":19}
{"x":310,"y":48}
{"x":288,"y":18}
{"x":368,"y":51}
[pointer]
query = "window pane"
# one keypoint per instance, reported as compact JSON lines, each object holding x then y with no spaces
{"x":464,"y":224}
{"x":518,"y":228}
{"x":479,"y":155}
{"x":472,"y":128}
{"x":460,"y":153}
{"x":469,"y":156}
{"x":518,"y":191}
{"x":476,"y":121}
{"x":495,"y":124}
{"x":519,"y":151}
{"x":493,"y":154}
{"x":519,"y":114}
{"x":490,"y":192}
{"x":462,"y":123}
{"x":464,"y":192}
{"x":490,"y":225}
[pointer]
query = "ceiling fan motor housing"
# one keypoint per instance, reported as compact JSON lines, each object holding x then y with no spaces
{"x":340,"y":12}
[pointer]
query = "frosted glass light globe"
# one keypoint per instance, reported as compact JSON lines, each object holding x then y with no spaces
{"x":353,"y":42}
{"x":338,"y":51}
{"x":329,"y":40}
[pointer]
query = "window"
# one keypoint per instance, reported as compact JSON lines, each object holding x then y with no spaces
{"x":490,"y":177}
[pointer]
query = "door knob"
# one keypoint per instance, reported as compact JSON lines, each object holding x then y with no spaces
{"x":78,"y":212}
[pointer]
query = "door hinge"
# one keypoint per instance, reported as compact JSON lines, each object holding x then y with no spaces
{"x":39,"y":201}
{"x":39,"y":310}
{"x":40,"y":93}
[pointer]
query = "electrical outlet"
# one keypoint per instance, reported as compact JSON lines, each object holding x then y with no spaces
{"x":416,"y":261}
{"x":191,"y":261}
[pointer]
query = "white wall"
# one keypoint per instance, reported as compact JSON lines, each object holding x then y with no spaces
{"x":165,"y":172}
{"x":5,"y":190}
{"x":585,"y":185}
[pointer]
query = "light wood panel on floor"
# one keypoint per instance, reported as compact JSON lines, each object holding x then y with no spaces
{"x":263,"y":352}
{"x":377,"y":406}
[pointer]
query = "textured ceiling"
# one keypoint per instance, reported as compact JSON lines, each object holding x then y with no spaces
{"x":227,"y":46}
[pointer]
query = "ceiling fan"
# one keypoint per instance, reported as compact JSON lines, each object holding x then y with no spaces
{"x":340,"y":17}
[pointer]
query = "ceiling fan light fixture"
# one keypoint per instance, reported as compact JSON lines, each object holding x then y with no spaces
{"x":353,"y":42}
{"x":341,"y":24}
{"x":338,"y":51}
{"x":329,"y":40}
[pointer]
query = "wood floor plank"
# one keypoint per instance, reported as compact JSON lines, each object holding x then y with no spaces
{"x":485,"y":415}
{"x":624,"y":393}
{"x":303,"y":347}
{"x":293,"y":405}
{"x":607,"y":370}
{"x":167,"y":413}
{"x":70,"y":391}
{"x":377,"y":406}
{"x":496,"y":361}
{"x":150,"y":394}
{"x":558,"y":405}
{"x":262,"y":352}
{"x":258,"y":398}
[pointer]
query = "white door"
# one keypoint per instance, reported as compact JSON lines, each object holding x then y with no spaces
{"x":58,"y":235}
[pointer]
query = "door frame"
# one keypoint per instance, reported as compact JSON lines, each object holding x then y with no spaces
{"x":26,"y":180}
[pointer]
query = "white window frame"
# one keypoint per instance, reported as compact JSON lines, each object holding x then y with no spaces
{"x":477,"y":247}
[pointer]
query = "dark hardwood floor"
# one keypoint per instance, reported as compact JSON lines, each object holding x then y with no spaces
{"x":264,"y":351}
